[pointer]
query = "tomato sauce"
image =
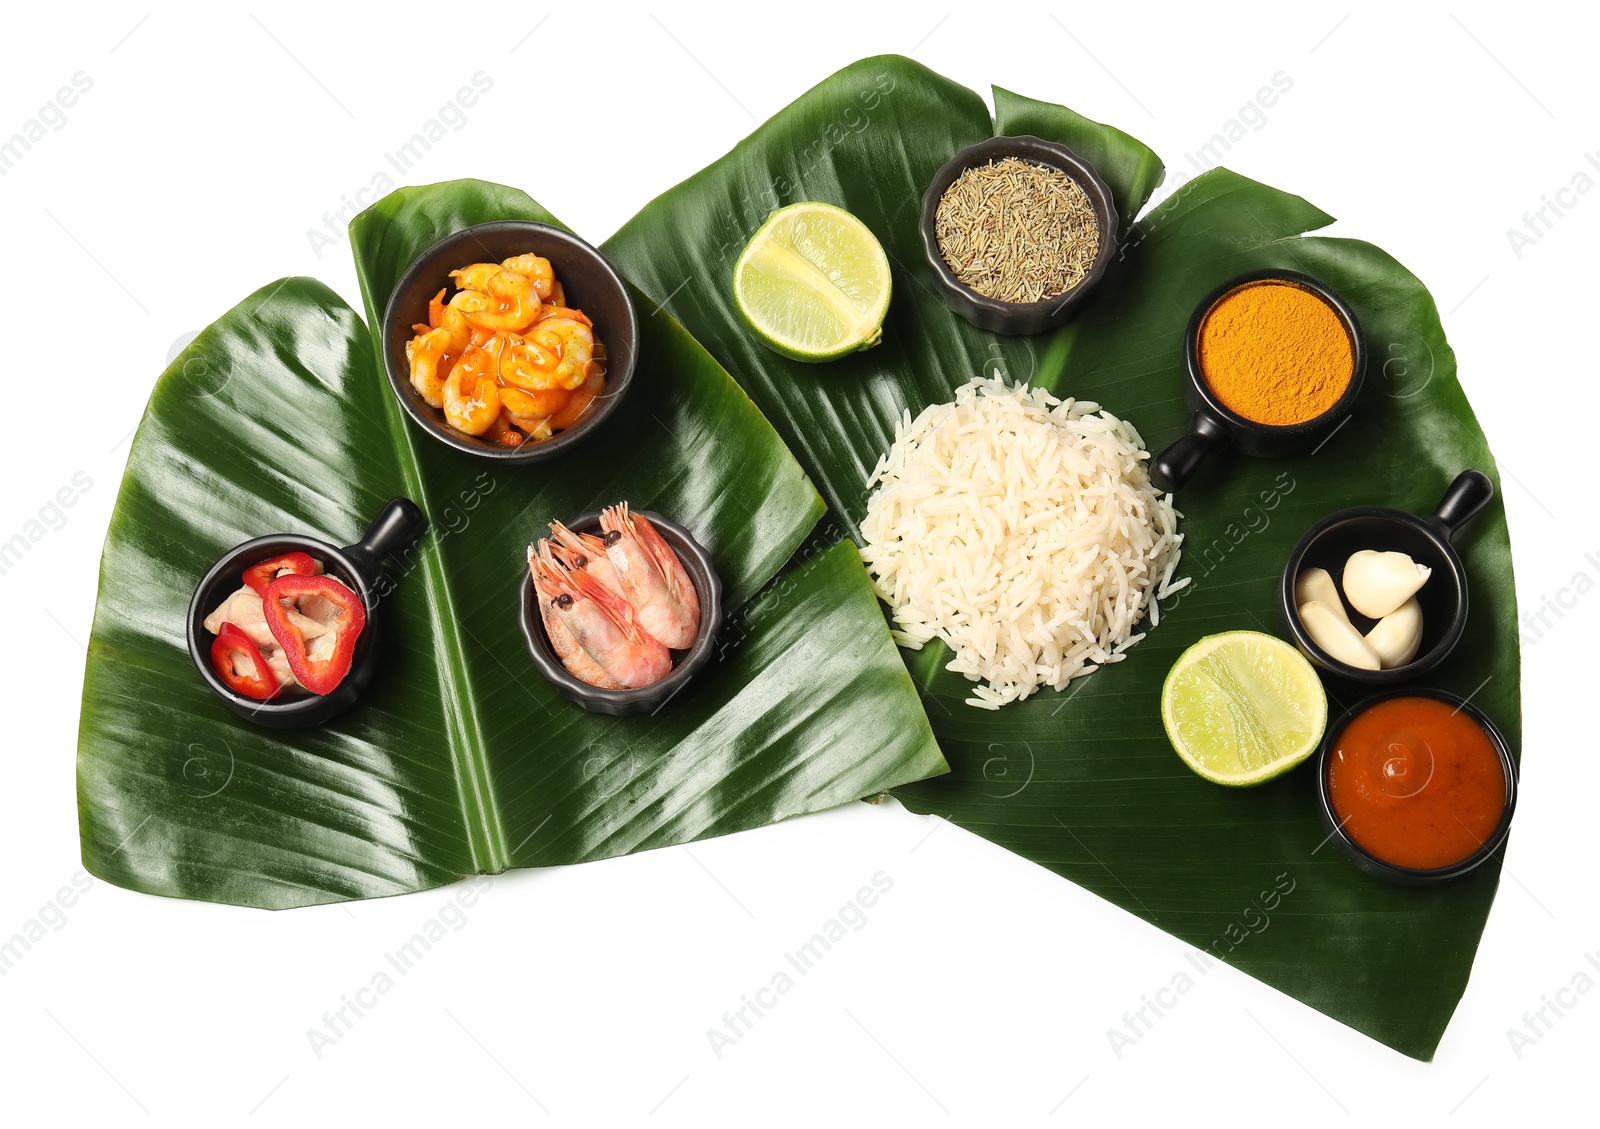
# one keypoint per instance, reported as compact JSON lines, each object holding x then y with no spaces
{"x":1417,"y":783}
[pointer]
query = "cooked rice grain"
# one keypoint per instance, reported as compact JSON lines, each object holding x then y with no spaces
{"x":1023,"y":531}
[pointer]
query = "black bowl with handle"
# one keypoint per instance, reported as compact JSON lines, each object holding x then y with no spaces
{"x":1215,"y":426}
{"x":357,"y":566}
{"x":1427,"y":540}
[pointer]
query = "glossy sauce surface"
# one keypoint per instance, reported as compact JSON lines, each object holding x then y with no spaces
{"x":1417,"y":782}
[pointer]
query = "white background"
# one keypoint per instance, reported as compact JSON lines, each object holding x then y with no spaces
{"x":982,"y":986}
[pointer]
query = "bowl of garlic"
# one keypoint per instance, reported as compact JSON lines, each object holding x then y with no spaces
{"x":1378,"y":596}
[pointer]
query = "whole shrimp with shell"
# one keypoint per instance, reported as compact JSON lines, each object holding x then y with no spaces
{"x":626,"y":573}
{"x":592,"y":631}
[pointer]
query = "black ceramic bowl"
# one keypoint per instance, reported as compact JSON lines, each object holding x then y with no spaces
{"x":1215,"y":425}
{"x":1018,"y":318}
{"x":685,"y":664}
{"x":1329,"y":543}
{"x":591,"y":285}
{"x":398,"y":524}
{"x":1370,"y":863}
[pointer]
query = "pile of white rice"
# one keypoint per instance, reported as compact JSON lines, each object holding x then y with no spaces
{"x":1023,"y":531}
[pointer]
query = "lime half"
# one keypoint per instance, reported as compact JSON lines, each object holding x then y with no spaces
{"x":813,"y":282}
{"x":1243,"y":707}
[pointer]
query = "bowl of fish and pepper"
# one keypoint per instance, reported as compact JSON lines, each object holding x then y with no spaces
{"x":357,"y":567}
{"x":591,"y":284}
{"x":685,"y":664}
{"x":1329,"y":543}
{"x":1215,"y":425}
{"x":1018,"y":318}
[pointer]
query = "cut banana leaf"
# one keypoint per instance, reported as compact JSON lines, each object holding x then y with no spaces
{"x":1084,"y":782}
{"x":460,"y":758}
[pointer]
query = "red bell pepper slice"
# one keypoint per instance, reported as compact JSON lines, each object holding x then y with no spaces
{"x":262,"y":685}
{"x":320,"y":675}
{"x":258,"y":576}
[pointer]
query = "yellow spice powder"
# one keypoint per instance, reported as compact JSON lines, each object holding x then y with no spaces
{"x":1275,"y":353}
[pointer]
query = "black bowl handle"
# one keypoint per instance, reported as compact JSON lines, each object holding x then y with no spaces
{"x":1462,"y":500}
{"x":1173,"y":467}
{"x":400,"y":522}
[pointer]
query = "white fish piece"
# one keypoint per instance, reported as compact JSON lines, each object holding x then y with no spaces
{"x":243,"y":609}
{"x":1333,"y":633}
{"x":1378,"y":583}
{"x":278,"y":663}
{"x":1398,"y":635}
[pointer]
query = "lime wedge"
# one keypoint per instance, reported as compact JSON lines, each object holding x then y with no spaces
{"x":1243,"y":707}
{"x":813,"y":282}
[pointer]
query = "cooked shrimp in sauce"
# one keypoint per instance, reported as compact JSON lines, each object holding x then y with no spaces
{"x":505,"y":358}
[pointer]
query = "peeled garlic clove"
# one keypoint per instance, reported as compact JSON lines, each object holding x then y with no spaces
{"x":1378,"y":583}
{"x":1398,"y":635}
{"x":1315,"y":584}
{"x":1332,"y":632}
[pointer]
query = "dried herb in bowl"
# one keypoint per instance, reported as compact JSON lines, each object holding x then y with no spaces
{"x":1017,"y":231}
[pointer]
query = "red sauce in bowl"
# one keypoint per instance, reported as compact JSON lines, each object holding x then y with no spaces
{"x":1417,"y":783}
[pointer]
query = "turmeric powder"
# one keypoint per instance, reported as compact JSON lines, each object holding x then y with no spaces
{"x":1275,"y":353}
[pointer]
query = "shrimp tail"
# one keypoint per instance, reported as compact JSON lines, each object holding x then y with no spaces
{"x":568,"y":312}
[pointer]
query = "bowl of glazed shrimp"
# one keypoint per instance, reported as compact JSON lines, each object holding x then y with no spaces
{"x":620,"y":609}
{"x":511,"y":340}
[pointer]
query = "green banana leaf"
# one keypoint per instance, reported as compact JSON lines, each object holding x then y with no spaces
{"x":1084,"y":782}
{"x":460,"y":758}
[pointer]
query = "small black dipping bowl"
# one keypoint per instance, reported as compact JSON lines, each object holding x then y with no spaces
{"x":398,"y":524}
{"x":646,"y":699}
{"x":1329,"y":543}
{"x":1018,"y":318}
{"x":591,"y":284}
{"x":1372,"y":864}
{"x":1215,"y":425}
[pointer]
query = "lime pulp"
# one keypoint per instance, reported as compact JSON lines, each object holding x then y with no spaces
{"x":1242,"y":707}
{"x":813,"y":283}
